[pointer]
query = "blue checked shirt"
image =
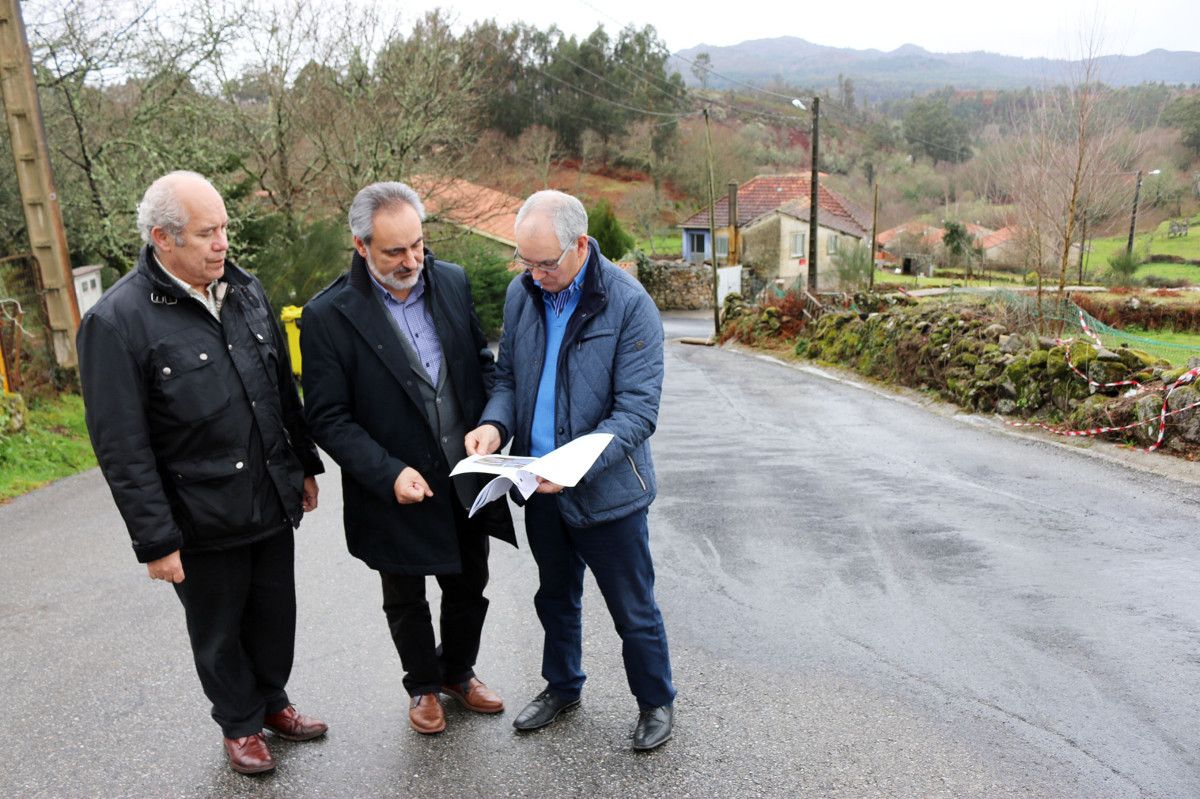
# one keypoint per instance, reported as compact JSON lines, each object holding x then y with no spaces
{"x":559,"y":308}
{"x":414,"y":321}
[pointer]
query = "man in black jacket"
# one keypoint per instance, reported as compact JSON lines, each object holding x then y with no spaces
{"x":396,"y":370}
{"x":199,"y":431}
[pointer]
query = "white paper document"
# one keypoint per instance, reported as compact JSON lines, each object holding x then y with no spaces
{"x":565,"y":466}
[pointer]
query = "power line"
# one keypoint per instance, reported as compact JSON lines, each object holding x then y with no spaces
{"x":569,"y":85}
{"x":788,"y":97}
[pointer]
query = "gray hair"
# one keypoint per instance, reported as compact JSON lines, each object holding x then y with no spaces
{"x":566,"y":212}
{"x":371,"y":199}
{"x":161,"y":207}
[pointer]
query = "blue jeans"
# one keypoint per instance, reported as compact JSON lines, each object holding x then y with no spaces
{"x":618,"y":553}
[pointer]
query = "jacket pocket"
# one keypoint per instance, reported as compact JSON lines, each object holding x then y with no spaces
{"x":189,"y":388}
{"x":636,"y":473}
{"x":595,"y":337}
{"x":264,"y":339}
{"x":218,"y":493}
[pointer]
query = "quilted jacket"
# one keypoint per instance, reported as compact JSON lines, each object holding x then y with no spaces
{"x":609,"y":380}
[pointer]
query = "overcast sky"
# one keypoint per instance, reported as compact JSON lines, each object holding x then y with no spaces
{"x":1027,"y":28}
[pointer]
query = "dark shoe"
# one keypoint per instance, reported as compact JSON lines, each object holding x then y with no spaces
{"x":291,"y":726}
{"x":476,"y":696}
{"x":653,"y":728}
{"x":425,"y":714}
{"x":249,"y":755}
{"x":544,"y":709}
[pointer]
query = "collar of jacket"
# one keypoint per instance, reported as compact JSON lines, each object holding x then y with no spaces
{"x":360,"y":278}
{"x":161,"y":285}
{"x":592,"y":295}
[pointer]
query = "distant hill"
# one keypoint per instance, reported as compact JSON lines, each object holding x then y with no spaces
{"x":909,"y":68}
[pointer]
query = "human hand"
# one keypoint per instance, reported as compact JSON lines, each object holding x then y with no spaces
{"x":547,"y":487}
{"x":483,"y":440}
{"x":168,"y":569}
{"x":410,"y":487}
{"x":309,"y":501}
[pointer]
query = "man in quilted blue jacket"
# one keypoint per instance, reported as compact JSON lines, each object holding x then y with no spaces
{"x":582,"y":352}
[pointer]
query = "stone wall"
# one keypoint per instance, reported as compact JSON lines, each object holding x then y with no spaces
{"x":676,"y":285}
{"x":977,"y":359}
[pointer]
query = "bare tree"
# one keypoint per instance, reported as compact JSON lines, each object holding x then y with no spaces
{"x":123,"y":98}
{"x":1063,"y":164}
{"x":387,"y":106}
{"x":267,"y":102}
{"x":537,"y":146}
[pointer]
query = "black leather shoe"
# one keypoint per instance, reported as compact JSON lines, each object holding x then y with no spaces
{"x":544,"y":709}
{"x":653,"y":728}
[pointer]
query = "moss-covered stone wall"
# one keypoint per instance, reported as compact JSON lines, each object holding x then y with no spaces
{"x":972,"y":356}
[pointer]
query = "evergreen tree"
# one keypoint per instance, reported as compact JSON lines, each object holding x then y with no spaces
{"x":606,"y":229}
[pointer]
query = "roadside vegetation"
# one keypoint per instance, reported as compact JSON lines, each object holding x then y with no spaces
{"x":54,"y":444}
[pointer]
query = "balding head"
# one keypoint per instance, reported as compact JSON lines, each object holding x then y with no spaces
{"x":165,"y":203}
{"x":183,"y":217}
{"x":559,"y":211}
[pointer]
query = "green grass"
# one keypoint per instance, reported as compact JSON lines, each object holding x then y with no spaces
{"x":909,"y":282}
{"x":1188,"y":272}
{"x":54,"y":444}
{"x":1155,"y":243}
{"x":665,"y":244}
{"x":1169,"y":337}
{"x":1135,"y":338}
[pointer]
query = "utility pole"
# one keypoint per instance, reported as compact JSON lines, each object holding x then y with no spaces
{"x":712,"y":226}
{"x":813,"y":202}
{"x":874,"y":225}
{"x":1137,"y":189}
{"x":1082,"y":246}
{"x":43,"y":217}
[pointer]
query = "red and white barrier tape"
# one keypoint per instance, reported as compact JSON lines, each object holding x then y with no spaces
{"x":1183,"y":380}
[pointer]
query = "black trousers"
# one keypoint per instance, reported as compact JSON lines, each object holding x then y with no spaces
{"x":240,"y":605}
{"x":426,"y":665}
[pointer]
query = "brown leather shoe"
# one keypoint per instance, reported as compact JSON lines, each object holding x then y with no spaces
{"x":476,"y":696}
{"x":292,"y":726}
{"x":249,"y":755}
{"x":425,"y":714}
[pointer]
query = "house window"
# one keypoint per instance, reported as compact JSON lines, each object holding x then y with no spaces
{"x":799,"y":250}
{"x":696,"y":243}
{"x":832,"y":245}
{"x":723,"y":245}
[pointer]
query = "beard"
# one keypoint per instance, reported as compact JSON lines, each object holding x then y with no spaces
{"x":401,"y":279}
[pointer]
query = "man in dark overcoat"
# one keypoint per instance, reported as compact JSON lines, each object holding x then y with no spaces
{"x":197,"y":426}
{"x":396,"y":369}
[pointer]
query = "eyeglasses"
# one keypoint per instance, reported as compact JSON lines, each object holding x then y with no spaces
{"x":545,"y":266}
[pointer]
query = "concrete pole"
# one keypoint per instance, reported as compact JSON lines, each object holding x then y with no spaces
{"x":813,"y":211}
{"x":43,"y":217}
{"x":712,"y":225}
{"x":1137,"y":188}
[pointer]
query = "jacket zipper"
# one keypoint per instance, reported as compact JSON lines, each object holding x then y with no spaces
{"x":636,"y":473}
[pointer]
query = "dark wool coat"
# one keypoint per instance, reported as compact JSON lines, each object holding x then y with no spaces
{"x":366,"y":410}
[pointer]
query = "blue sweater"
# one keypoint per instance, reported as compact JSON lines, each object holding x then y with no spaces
{"x":542,"y":434}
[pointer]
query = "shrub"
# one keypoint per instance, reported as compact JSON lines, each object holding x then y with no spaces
{"x":606,"y":229}
{"x":487,"y":268}
{"x":291,"y":269}
{"x":1122,"y":266}
{"x":853,"y":265}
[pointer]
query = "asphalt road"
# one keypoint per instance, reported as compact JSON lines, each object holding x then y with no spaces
{"x":865,"y":598}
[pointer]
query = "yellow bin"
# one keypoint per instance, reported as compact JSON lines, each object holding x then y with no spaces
{"x":290,"y":316}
